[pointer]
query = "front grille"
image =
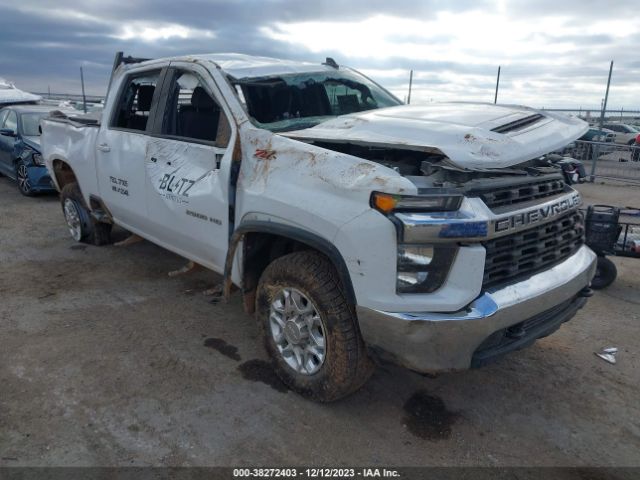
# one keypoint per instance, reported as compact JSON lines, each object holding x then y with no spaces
{"x":500,"y":196}
{"x":524,"y":253}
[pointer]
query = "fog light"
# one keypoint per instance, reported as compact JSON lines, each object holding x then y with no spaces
{"x":423,"y":268}
{"x":414,"y":256}
{"x":411,"y":279}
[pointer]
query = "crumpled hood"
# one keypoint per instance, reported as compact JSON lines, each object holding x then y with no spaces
{"x":471,"y":135}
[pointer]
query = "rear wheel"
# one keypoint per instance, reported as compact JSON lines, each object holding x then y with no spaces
{"x":309,"y":329}
{"x":22,"y":178}
{"x":82,"y":226}
{"x":606,"y":273}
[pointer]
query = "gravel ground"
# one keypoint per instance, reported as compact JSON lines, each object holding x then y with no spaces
{"x":105,"y":360}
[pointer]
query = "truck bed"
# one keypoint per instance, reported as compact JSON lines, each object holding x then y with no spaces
{"x":71,"y":140}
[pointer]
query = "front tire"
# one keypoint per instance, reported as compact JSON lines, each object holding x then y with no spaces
{"x":606,"y":273}
{"x":309,"y":329}
{"x":22,"y":179}
{"x":82,"y":226}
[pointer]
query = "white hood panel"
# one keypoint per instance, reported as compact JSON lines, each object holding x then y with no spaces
{"x":460,"y":131}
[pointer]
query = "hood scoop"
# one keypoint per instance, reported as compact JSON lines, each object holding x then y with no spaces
{"x":518,"y":124}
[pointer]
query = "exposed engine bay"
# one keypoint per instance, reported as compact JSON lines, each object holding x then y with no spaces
{"x":428,"y":170}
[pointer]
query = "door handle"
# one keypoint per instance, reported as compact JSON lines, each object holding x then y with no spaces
{"x":103,"y":147}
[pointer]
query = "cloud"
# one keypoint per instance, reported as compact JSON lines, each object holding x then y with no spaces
{"x":151,"y":32}
{"x":552,"y":53}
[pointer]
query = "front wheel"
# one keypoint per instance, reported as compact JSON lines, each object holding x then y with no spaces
{"x":82,"y":226}
{"x":606,"y":273}
{"x":309,"y":329}
{"x":22,"y":178}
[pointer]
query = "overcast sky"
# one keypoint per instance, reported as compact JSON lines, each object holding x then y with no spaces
{"x":554,"y":53}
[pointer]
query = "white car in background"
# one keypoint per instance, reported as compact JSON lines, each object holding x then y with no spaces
{"x":624,"y":133}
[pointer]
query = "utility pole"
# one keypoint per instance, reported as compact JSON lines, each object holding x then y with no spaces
{"x":410,"y":85}
{"x":495,"y":99}
{"x":84,"y":98}
{"x":596,"y":150}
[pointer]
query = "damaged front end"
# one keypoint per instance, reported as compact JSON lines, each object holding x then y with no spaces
{"x":524,"y":215}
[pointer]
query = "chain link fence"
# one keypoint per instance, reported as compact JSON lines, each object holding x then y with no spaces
{"x":608,"y":160}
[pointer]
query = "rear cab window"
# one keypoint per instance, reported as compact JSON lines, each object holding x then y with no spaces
{"x":133,"y":109}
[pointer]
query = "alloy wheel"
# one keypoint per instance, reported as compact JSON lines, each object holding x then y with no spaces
{"x":23,"y":179}
{"x":298,"y":331}
{"x":72,"y":216}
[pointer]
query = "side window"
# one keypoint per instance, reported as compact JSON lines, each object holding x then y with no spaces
{"x":134,"y":104}
{"x":191,"y":112}
{"x":11,"y":122}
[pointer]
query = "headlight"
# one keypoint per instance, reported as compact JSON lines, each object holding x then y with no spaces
{"x":423,"y":268}
{"x":387,"y":203}
{"x":37,"y":159}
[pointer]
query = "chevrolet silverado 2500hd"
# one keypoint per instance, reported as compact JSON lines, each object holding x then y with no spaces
{"x":438,"y":236}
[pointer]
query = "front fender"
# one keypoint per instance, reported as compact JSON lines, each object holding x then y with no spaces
{"x":313,"y":240}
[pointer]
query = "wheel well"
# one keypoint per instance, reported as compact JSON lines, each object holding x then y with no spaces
{"x":63,"y":172}
{"x":259,"y":249}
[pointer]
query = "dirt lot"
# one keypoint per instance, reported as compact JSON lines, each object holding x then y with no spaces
{"x":104,"y":360}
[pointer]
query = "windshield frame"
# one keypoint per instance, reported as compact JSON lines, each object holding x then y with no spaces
{"x":293,"y":123}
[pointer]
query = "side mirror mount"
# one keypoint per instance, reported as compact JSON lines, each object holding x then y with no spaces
{"x":7,"y":132}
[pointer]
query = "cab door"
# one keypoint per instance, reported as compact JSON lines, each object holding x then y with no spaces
{"x":121,"y":147}
{"x":186,"y":167}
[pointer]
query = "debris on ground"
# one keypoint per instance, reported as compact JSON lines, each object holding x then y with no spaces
{"x":608,"y":354}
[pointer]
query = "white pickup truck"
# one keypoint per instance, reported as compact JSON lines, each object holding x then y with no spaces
{"x":438,"y":237}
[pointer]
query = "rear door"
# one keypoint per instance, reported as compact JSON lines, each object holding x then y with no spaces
{"x":121,"y":147}
{"x":187,"y":164}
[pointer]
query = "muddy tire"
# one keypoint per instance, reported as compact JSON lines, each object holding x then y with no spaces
{"x":606,"y":273}
{"x":82,"y":226}
{"x":312,"y":338}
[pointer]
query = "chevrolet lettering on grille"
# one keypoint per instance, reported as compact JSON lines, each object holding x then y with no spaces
{"x":537,"y":215}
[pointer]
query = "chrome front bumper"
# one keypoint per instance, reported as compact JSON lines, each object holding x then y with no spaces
{"x":429,"y":342}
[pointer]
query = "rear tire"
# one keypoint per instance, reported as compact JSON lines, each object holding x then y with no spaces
{"x":309,"y":329}
{"x":82,"y":226}
{"x":606,"y":273}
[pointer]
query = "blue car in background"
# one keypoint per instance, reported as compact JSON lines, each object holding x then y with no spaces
{"x":20,"y":157}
